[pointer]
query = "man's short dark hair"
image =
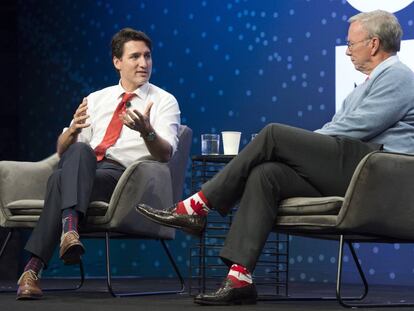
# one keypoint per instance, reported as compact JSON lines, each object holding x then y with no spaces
{"x":125,"y":35}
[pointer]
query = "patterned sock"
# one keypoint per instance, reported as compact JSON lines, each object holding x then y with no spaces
{"x":35,"y":264}
{"x":69,"y":220}
{"x":196,"y":204}
{"x":239,"y":276}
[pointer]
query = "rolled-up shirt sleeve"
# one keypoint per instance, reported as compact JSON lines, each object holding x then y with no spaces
{"x":166,"y":120}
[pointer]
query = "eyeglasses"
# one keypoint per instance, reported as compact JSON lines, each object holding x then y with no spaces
{"x":351,"y":44}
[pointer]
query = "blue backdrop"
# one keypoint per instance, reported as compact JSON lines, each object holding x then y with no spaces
{"x":232,"y":65}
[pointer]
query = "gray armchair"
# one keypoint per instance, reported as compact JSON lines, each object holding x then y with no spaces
{"x":377,"y":207}
{"x":23,"y":185}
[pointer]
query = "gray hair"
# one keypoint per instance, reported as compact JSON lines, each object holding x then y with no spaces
{"x":383,"y":25}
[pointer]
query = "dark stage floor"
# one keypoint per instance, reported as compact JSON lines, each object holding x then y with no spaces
{"x":92,"y":296}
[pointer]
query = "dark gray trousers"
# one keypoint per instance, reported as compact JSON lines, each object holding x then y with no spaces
{"x":78,"y":180}
{"x":281,"y":162}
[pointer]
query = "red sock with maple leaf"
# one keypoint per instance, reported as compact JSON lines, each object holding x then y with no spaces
{"x":239,"y":276}
{"x":196,"y":204}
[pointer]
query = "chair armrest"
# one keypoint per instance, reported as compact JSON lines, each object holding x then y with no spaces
{"x":144,"y":181}
{"x":25,"y":180}
{"x":380,"y":197}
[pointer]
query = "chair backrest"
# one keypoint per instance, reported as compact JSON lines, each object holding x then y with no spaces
{"x":179,"y":160}
{"x":146,"y":181}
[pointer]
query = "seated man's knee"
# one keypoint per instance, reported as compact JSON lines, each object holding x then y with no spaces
{"x":78,"y":150}
{"x":80,"y":147}
{"x":265,"y":171}
{"x":271,"y":127}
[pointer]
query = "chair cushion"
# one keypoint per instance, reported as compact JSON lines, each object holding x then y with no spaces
{"x":35,"y":207}
{"x":301,"y":206}
{"x":97,"y":208}
{"x":25,"y":207}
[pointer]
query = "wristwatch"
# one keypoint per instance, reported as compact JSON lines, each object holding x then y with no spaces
{"x":150,"y":136}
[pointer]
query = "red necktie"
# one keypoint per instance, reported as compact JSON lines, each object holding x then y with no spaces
{"x":114,"y":128}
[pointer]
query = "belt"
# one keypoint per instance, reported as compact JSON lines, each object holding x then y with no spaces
{"x":112,"y":161}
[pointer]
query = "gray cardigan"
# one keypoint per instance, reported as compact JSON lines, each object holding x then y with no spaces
{"x":380,"y":110}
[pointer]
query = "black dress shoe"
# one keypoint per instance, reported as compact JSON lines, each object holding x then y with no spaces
{"x":227,"y":295}
{"x":192,"y":224}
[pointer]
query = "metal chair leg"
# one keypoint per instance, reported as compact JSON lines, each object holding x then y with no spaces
{"x":339,"y":273}
{"x":3,"y":247}
{"x":129,"y":294}
{"x":177,"y":271}
{"x":6,"y":241}
{"x":78,"y":286}
{"x":344,"y":302}
{"x":108,"y":266}
{"x":360,"y":271}
{"x":338,"y":284}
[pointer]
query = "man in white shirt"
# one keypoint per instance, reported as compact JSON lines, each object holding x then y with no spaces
{"x":110,"y":129}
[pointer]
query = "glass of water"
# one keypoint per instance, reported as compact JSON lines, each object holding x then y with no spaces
{"x":210,"y":144}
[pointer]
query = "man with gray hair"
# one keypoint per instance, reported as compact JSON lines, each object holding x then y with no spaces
{"x":284,"y":161}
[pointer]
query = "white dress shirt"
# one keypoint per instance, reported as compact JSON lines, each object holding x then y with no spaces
{"x":164,"y":118}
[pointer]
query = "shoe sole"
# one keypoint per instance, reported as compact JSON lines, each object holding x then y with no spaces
{"x":29,"y":297}
{"x":229,"y":303}
{"x":187,"y":230}
{"x":73,"y":254}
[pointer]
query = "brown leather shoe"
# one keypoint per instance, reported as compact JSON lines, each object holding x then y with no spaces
{"x":28,"y":286}
{"x":71,"y":248}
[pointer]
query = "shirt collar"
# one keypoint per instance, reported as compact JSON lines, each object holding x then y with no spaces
{"x":141,"y":92}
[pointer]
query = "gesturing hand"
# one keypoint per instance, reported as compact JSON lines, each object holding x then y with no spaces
{"x":138,"y":121}
{"x":80,"y":117}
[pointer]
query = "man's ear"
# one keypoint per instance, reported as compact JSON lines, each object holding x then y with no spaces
{"x":117,"y":62}
{"x":375,"y":45}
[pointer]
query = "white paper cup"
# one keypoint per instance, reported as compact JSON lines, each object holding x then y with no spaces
{"x":231,"y":142}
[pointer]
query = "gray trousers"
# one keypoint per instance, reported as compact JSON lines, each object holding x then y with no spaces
{"x":281,"y":162}
{"x":78,"y":180}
